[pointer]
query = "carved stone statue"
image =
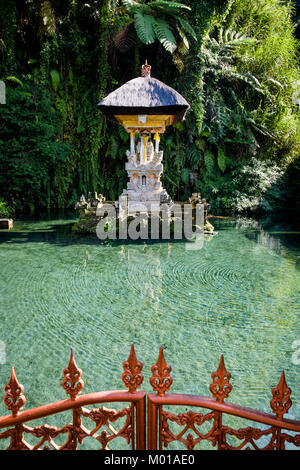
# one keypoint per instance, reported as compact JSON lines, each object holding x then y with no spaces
{"x":149,"y":150}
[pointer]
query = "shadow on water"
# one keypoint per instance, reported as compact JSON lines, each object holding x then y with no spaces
{"x":55,"y":233}
{"x":280,"y":237}
{"x":61,"y":234}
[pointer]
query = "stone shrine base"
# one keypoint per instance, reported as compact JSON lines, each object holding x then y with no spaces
{"x":88,"y":221}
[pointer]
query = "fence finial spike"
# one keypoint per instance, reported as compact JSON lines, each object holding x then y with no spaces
{"x":72,"y":381}
{"x":161,"y":380}
{"x":281,"y":402}
{"x":132,"y":376}
{"x":132,"y":353}
{"x":14,"y":399}
{"x":220,"y":386}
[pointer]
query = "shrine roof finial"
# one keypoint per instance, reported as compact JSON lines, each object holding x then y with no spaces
{"x":146,"y":69}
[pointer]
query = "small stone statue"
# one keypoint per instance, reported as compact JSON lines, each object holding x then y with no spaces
{"x":83,"y":205}
{"x":165,"y":198}
{"x":195,"y":199}
{"x":138,"y":151}
{"x":149,"y":150}
{"x":131,"y":158}
{"x":157,"y":158}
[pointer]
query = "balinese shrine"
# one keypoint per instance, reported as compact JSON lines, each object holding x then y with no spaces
{"x":144,"y":106}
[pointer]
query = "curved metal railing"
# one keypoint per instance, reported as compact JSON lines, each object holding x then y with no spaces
{"x":129,"y":423}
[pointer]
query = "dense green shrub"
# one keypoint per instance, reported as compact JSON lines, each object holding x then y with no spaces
{"x":30,"y":148}
{"x":238,"y":70}
{"x":5,"y":210}
{"x":246,"y":71}
{"x":253,"y":185}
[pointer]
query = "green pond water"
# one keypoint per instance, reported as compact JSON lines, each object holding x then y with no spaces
{"x":239,"y":295}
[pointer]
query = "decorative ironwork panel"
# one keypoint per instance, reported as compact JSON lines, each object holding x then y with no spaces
{"x":105,"y":417}
{"x":191,"y":423}
{"x":188,"y":428}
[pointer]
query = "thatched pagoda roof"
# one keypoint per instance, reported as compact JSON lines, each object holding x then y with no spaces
{"x":144,"y":95}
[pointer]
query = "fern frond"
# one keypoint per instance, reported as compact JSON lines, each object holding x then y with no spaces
{"x":221,"y":159}
{"x":209,"y":161}
{"x":230,"y":38}
{"x":130,"y":4}
{"x":55,"y":78}
{"x":184,"y":38}
{"x":164,"y":34}
{"x":194,"y":156}
{"x":187,"y":27}
{"x":185,"y":175}
{"x":165,"y":4}
{"x":144,"y":25}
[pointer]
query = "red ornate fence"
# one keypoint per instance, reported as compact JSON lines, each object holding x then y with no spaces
{"x":131,"y":420}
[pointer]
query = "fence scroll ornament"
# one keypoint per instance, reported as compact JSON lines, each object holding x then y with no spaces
{"x":202,"y":419}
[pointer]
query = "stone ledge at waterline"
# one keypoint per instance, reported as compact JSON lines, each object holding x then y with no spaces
{"x":6,"y":224}
{"x":88,"y":221}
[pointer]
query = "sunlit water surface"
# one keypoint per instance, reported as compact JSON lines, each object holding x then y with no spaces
{"x":239,"y":295}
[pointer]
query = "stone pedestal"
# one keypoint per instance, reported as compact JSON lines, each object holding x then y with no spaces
{"x":144,"y":191}
{"x":6,"y":224}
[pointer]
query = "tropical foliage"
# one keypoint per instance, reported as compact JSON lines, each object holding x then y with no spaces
{"x":5,"y":210}
{"x":162,"y":20}
{"x":235,"y":61}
